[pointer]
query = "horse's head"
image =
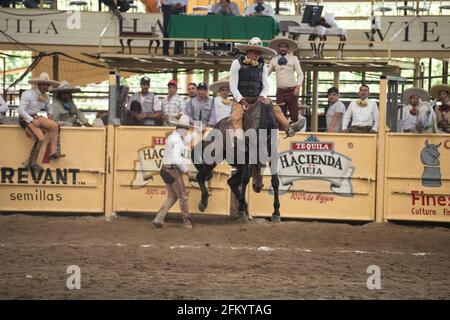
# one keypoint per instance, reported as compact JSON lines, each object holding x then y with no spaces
{"x":430,"y":154}
{"x":425,"y":118}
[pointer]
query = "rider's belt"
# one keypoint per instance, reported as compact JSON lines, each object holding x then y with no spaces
{"x":251,"y":100}
{"x":285,"y":90}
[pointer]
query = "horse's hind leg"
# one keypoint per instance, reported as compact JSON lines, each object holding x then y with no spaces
{"x":234,"y":182}
{"x":276,"y":217}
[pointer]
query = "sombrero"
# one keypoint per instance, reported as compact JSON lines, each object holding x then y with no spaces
{"x":422,"y":94}
{"x":434,"y":91}
{"x":255,"y":43}
{"x":43,"y":78}
{"x":215,"y":86}
{"x":183,"y":122}
{"x":274,"y":44}
{"x":64,"y":86}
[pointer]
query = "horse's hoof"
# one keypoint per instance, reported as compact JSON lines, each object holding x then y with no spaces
{"x":275,"y":219}
{"x":202,"y":207}
{"x":242,"y":216}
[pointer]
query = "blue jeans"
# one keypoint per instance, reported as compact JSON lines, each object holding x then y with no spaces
{"x":31,"y":4}
{"x":5,"y":3}
{"x":123,"y":5}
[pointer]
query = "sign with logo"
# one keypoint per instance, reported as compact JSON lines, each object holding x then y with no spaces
{"x":322,"y":176}
{"x":314,"y":159}
{"x":74,"y":183}
{"x":138,"y":186}
{"x":417,"y":182}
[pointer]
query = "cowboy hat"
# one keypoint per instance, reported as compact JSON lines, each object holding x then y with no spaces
{"x":183,"y":122}
{"x":434,"y":91}
{"x":215,"y":86}
{"x":43,"y":78}
{"x":422,"y":94}
{"x":255,"y":43}
{"x":274,"y":44}
{"x":64,"y":86}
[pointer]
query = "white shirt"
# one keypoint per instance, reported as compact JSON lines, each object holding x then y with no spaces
{"x":234,"y":80}
{"x":335,"y":107}
{"x":408,"y":120}
{"x":286,"y":73}
{"x":362,"y":116}
{"x":30,"y":105}
{"x":3,"y":105}
{"x":268,"y":10}
{"x":219,"y":110}
{"x":174,"y":150}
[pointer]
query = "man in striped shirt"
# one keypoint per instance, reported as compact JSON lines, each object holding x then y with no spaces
{"x":173,"y":106}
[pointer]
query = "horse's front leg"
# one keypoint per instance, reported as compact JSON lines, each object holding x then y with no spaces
{"x":276,"y":217}
{"x":242,"y":208}
{"x":203,"y":172}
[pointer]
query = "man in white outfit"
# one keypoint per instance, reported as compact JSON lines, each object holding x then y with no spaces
{"x":363,"y":113}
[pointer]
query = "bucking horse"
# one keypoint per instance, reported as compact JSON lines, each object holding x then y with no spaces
{"x":246,"y":156}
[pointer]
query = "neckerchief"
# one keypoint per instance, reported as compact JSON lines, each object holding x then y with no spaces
{"x":251,"y":62}
{"x":225,"y":101}
{"x":362,"y":103}
{"x":282,"y":60}
{"x":444,"y":108}
{"x":413,"y":111}
{"x":42,"y":97}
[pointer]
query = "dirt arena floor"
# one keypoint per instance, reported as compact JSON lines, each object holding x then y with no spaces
{"x":127,"y":258}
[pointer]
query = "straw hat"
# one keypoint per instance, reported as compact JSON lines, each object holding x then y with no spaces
{"x":64,"y":86}
{"x":434,"y":91}
{"x":43,"y":78}
{"x":255,"y":43}
{"x":215,"y":86}
{"x":183,"y":122}
{"x":422,"y":94}
{"x":274,"y":44}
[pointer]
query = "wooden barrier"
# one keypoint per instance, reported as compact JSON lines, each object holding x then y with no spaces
{"x":323,"y":176}
{"x":417,"y":180}
{"x":71,"y":184}
{"x":138,"y":186}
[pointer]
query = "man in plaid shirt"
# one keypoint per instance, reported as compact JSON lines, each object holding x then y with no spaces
{"x":173,"y":106}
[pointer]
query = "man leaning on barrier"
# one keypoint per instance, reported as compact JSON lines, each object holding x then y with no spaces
{"x":32,"y":102}
{"x":150,"y":114}
{"x":363,"y":114}
{"x":65,"y":112}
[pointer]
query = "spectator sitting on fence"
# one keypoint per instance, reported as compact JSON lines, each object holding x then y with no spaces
{"x":226,"y":8}
{"x":173,"y":106}
{"x":3,"y":109}
{"x":199,"y":108}
{"x":31,"y":103}
{"x":411,"y":99}
{"x":65,"y":112}
{"x":441,"y":93}
{"x":335,"y":112}
{"x":151,"y":107}
{"x":363,"y":113}
{"x":221,"y":107}
{"x":259,"y":8}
